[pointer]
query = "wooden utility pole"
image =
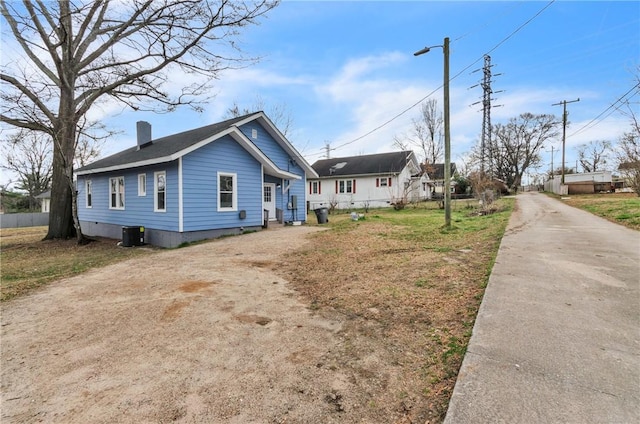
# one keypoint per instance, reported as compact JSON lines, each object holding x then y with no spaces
{"x":447,"y":139}
{"x":447,"y":131}
{"x":564,"y":130}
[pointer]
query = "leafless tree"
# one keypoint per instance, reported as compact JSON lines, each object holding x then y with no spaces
{"x":78,"y":54}
{"x":27,"y":154}
{"x":594,"y":155}
{"x":279,"y":113}
{"x":426,"y":134}
{"x":515,"y":147}
{"x":628,"y":153}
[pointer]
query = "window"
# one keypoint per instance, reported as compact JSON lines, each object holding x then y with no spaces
{"x":314,"y":187}
{"x":267,"y":194}
{"x":117,"y":193}
{"x":142,"y":184}
{"x":159,"y":191}
{"x":227,"y":192}
{"x":88,"y":193}
{"x":383,"y":182}
{"x":346,"y":186}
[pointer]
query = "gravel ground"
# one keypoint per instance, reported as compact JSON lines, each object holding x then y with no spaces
{"x":207,"y":333}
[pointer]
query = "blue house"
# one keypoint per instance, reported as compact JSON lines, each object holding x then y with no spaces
{"x":220,"y":179}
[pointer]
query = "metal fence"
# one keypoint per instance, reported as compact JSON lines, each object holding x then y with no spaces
{"x":16,"y":220}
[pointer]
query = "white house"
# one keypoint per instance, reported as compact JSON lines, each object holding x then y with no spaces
{"x":378,"y":180}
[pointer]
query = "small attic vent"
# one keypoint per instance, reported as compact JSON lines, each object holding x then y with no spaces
{"x":254,"y":133}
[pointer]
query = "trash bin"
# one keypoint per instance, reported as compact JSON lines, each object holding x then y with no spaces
{"x":132,"y":236}
{"x":322,"y":214}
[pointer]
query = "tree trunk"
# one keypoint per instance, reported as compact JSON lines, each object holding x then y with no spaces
{"x":60,"y":214}
{"x":63,"y":222}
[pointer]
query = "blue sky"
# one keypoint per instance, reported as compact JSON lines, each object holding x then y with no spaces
{"x":342,"y":69}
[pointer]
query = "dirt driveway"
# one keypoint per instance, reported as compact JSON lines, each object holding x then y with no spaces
{"x":203,"y":334}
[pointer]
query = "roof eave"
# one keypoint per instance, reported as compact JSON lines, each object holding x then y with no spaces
{"x":280,"y":139}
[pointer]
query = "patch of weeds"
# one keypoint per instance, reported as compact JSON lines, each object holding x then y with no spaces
{"x":455,"y":349}
{"x":439,"y":249}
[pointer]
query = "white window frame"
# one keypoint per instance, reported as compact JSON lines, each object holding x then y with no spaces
{"x":384,"y":182}
{"x":119,"y":189}
{"x":234,"y":198}
{"x":156,"y":190}
{"x":315,"y":187}
{"x":142,"y":185}
{"x":88,"y":194}
{"x":345,"y":186}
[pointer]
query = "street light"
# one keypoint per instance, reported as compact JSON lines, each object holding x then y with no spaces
{"x":447,"y":131}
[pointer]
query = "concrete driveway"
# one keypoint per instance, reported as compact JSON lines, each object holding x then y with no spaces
{"x":557,"y":337}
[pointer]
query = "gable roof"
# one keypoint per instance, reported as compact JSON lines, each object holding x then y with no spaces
{"x":435,"y":171}
{"x":169,"y":148}
{"x":381,"y":163}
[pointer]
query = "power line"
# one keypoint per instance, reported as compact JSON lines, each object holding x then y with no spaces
{"x":441,"y":86}
{"x":611,"y":107}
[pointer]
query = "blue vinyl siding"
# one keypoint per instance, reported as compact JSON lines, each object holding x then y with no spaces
{"x":138,"y":210}
{"x":281,"y":158}
{"x":200,"y":170}
{"x":200,"y":186}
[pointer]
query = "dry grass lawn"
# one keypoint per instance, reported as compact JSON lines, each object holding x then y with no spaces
{"x":410,"y":293}
{"x":28,"y":262}
{"x":621,"y":208}
{"x":407,"y":290}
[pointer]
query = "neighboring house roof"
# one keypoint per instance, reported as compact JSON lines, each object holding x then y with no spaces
{"x":625,"y":166}
{"x":172,"y":147}
{"x":435,"y":171}
{"x":381,"y":163}
{"x":44,"y":195}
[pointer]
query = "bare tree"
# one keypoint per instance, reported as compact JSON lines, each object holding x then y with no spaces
{"x":77,"y":55}
{"x":628,"y":154}
{"x":426,"y":134}
{"x":27,"y":154}
{"x":515,"y":147}
{"x":279,"y":113}
{"x":594,"y":155}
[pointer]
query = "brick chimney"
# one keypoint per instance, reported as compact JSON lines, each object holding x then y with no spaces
{"x":143,"y":129}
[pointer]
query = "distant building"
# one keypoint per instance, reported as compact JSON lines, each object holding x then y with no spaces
{"x":378,"y":180}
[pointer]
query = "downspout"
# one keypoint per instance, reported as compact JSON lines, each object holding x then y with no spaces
{"x":180,"y":207}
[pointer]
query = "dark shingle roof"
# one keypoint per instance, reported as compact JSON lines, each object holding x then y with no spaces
{"x":435,"y":171}
{"x":381,"y":163}
{"x":163,"y":147}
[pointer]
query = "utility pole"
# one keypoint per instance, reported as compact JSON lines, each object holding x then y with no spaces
{"x":486,"y":151}
{"x":447,"y":131}
{"x":447,"y":139}
{"x":327,"y":147}
{"x":564,"y":130}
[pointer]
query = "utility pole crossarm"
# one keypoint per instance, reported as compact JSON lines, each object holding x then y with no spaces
{"x":564,"y":130}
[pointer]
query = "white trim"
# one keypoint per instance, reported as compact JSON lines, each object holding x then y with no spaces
{"x":124,"y":193}
{"x":88,"y":188}
{"x":155,"y":191}
{"x":273,"y":187}
{"x":180,"y":207}
{"x":234,"y":199}
{"x":234,"y":132}
{"x":280,"y":139}
{"x":143,"y":192}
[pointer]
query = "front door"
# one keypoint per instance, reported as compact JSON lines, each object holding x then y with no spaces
{"x":269,"y":199}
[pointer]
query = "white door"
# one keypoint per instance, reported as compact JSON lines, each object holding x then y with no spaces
{"x":269,"y":199}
